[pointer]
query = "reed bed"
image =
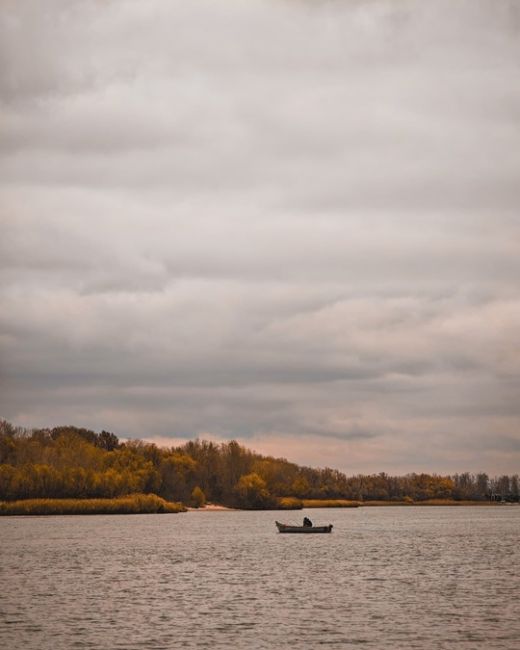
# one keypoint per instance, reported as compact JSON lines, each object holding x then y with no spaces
{"x":429,"y":502}
{"x":289,"y":503}
{"x":330,"y":503}
{"x":126,"y":505}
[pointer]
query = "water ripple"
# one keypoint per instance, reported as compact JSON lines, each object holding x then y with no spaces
{"x":387,"y":577}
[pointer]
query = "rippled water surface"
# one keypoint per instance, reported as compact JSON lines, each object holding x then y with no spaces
{"x":385,"y":578}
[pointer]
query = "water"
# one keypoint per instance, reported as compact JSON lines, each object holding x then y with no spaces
{"x":385,"y":578}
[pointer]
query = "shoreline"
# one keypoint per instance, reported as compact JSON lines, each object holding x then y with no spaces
{"x":131,"y":504}
{"x":211,"y":507}
{"x":152,"y":504}
{"x":434,"y":503}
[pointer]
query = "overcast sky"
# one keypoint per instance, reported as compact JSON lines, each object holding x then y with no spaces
{"x":295,"y":224}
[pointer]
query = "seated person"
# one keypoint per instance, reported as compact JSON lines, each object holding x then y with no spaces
{"x":307,"y":521}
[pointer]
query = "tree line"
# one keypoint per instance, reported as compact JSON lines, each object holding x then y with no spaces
{"x":72,"y":462}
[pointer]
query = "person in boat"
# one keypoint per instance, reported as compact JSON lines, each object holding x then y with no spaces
{"x":307,"y":522}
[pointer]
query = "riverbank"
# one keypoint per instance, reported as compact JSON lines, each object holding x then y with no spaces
{"x":128,"y":505}
{"x":330,"y":503}
{"x":210,"y":507}
{"x":153,"y":504}
{"x":290,"y":503}
{"x":432,"y":502}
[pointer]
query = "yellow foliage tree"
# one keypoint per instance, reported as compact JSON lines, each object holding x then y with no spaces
{"x":198,"y":498}
{"x":251,"y":492}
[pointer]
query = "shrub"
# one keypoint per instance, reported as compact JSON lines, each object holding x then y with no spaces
{"x":198,"y":498}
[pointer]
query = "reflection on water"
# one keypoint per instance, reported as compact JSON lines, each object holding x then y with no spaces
{"x":385,"y":578}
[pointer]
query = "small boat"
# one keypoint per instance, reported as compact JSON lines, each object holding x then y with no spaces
{"x":285,"y":528}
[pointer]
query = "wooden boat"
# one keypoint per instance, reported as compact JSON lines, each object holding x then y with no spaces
{"x":285,"y":528}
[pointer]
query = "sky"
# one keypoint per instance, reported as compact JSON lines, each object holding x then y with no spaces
{"x":290,"y":223}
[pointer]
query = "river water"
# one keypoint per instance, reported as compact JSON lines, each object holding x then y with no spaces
{"x":394,"y":577}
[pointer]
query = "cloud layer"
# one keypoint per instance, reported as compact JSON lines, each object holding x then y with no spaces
{"x":292,"y":223}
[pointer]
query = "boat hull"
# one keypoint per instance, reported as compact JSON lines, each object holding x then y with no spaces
{"x":284,"y":528}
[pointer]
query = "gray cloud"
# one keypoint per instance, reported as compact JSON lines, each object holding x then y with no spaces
{"x":291,"y":223}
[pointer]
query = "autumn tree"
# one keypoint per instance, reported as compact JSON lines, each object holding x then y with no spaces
{"x":251,"y":492}
{"x":198,"y":499}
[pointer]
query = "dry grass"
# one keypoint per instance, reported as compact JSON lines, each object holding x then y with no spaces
{"x":289,"y":503}
{"x":428,"y":502}
{"x":131,"y":504}
{"x":330,"y":503}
